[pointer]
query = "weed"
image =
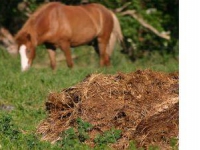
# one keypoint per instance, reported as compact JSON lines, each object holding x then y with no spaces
{"x":7,"y":128}
{"x":174,"y":143}
{"x":83,"y":128}
{"x":153,"y":148}
{"x":74,"y":140}
{"x":132,"y":146}
{"x":110,"y":136}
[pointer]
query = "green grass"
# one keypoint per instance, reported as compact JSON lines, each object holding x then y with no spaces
{"x":27,"y":91}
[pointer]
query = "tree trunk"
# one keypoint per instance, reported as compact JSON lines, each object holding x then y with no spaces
{"x":7,"y":41}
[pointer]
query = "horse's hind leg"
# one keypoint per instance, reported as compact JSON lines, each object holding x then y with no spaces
{"x":65,"y":47}
{"x":104,"y":57}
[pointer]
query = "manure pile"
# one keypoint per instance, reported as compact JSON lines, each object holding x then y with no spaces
{"x":144,"y":105}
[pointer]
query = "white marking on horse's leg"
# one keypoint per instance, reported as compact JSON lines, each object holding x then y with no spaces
{"x":24,"y":59}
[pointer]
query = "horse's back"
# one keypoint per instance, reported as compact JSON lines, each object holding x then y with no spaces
{"x":99,"y":12}
{"x":86,"y":22}
{"x":101,"y":15}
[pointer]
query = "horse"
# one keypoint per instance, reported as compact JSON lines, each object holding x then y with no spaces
{"x":57,"y":25}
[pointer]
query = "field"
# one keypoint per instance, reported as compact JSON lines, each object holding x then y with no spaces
{"x":23,"y":94}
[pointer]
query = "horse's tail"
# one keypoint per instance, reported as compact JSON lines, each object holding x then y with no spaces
{"x":116,"y":35}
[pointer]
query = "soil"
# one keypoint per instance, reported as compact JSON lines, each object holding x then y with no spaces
{"x":144,"y":105}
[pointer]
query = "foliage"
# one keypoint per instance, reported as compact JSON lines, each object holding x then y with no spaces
{"x":174,"y":143}
{"x":9,"y":15}
{"x":83,"y":127}
{"x":132,"y":146}
{"x":7,"y":128}
{"x":72,"y":139}
{"x":110,"y":136}
{"x":12,"y":138}
{"x":162,"y":15}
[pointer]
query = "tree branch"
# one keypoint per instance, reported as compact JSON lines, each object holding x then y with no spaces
{"x":120,"y":9}
{"x":132,"y":13}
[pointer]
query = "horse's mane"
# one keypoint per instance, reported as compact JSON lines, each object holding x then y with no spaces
{"x":27,"y":27}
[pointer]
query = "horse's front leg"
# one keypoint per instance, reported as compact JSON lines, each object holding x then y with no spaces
{"x":31,"y":56}
{"x":65,"y":47}
{"x":52,"y":57}
{"x":27,"y":55}
{"x":52,"y":54}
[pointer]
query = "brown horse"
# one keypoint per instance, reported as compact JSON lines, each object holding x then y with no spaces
{"x":57,"y":25}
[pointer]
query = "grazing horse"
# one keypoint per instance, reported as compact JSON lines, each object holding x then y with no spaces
{"x":57,"y":25}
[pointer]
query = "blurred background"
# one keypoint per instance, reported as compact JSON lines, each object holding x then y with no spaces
{"x":147,"y":25}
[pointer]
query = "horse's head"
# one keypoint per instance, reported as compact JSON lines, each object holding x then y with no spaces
{"x":26,"y":50}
